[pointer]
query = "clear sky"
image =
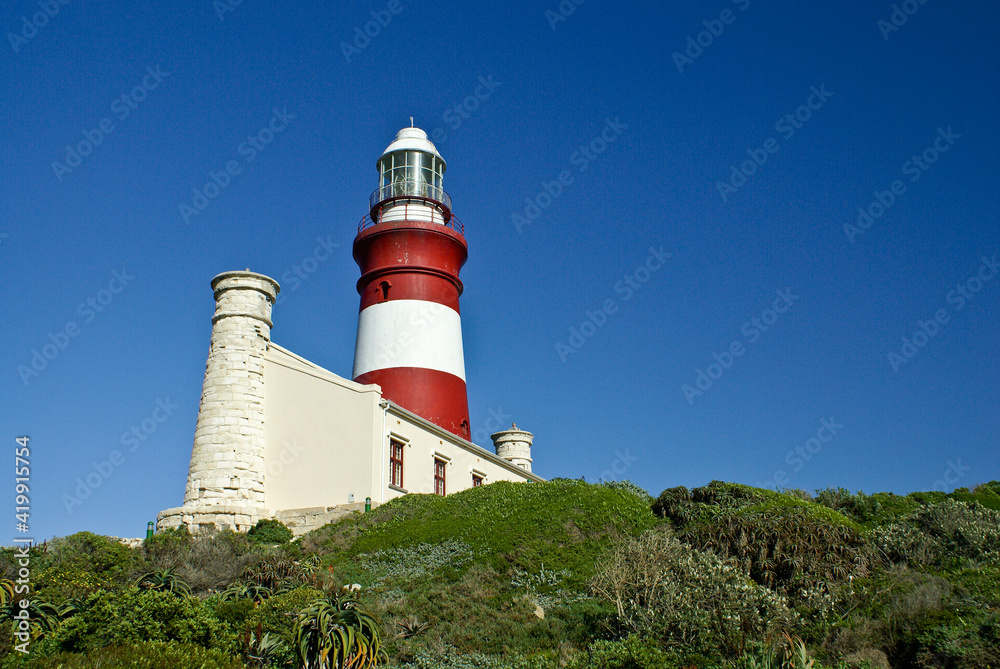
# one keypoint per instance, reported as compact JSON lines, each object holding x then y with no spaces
{"x":711,"y":155}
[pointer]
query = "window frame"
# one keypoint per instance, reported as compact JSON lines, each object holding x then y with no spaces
{"x":440,"y":477}
{"x":393,"y":443}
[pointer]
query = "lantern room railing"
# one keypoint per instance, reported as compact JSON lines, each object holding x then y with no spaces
{"x":400,"y":190}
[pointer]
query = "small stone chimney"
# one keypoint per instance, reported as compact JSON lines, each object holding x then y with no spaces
{"x":225,"y":484}
{"x":514,"y":446}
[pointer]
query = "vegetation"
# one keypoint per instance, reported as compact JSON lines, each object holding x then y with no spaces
{"x":561,"y":574}
{"x":269,"y":531}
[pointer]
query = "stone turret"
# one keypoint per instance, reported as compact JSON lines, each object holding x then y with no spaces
{"x":514,"y":446}
{"x":225,"y":484}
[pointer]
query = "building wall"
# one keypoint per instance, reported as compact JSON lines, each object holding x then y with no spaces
{"x":325,"y":438}
{"x":320,"y":430}
{"x":425,"y":442}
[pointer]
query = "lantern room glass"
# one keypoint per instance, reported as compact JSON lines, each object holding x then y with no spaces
{"x":416,"y":173}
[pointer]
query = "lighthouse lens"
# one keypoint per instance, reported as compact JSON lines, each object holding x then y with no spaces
{"x":410,"y":173}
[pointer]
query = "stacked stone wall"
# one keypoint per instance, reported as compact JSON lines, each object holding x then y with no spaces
{"x":226,"y":477}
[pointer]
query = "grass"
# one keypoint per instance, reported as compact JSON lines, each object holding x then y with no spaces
{"x":505,"y":525}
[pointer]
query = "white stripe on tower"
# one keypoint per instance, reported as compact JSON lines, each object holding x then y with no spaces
{"x":409,"y":333}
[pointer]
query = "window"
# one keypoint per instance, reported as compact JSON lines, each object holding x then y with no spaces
{"x":477,"y":481}
{"x":396,"y":463}
{"x":439,"y":466}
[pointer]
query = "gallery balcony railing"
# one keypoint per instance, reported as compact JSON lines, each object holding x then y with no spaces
{"x":450,"y":220}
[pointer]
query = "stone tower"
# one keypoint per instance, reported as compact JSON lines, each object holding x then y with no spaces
{"x":514,"y":445}
{"x":226,"y":478}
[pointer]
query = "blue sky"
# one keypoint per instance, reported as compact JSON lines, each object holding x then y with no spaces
{"x":734,"y":139}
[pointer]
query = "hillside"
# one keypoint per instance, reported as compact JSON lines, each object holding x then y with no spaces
{"x":557,"y":574}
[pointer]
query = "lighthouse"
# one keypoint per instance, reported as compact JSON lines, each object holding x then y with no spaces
{"x":410,"y":249}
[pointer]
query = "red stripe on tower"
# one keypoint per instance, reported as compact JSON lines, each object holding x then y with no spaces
{"x":410,"y":250}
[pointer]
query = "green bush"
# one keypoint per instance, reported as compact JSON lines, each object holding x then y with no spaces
{"x":132,"y":615}
{"x":690,"y":601}
{"x":628,"y":486}
{"x":145,"y":655}
{"x":449,"y":657}
{"x":792,"y":549}
{"x":80,"y":564}
{"x":631,"y":652}
{"x":277,"y":614}
{"x":859,"y":507}
{"x":269,"y":531}
{"x":166,"y":545}
{"x":943,"y":534}
{"x":209,"y":561}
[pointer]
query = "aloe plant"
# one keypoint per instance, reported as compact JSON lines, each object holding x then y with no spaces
{"x":337,"y":633}
{"x":165,"y":580}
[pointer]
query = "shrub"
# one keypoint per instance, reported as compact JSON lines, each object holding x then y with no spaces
{"x":689,"y":600}
{"x":234,"y":613}
{"x":275,"y":572}
{"x":671,"y":503}
{"x":93,"y":553}
{"x":205,"y":562}
{"x":860,"y":507}
{"x":166,"y":545}
{"x":786,"y":548}
{"x":628,"y":653}
{"x":946,"y":533}
{"x":269,"y":531}
{"x":132,"y":615}
{"x":80,"y":564}
{"x":277,"y":614}
{"x":628,"y":486}
{"x":145,"y":655}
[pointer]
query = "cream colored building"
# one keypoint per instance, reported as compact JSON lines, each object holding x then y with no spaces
{"x":281,"y":437}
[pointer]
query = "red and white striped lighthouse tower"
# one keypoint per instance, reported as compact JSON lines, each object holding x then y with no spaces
{"x":410,"y":249}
